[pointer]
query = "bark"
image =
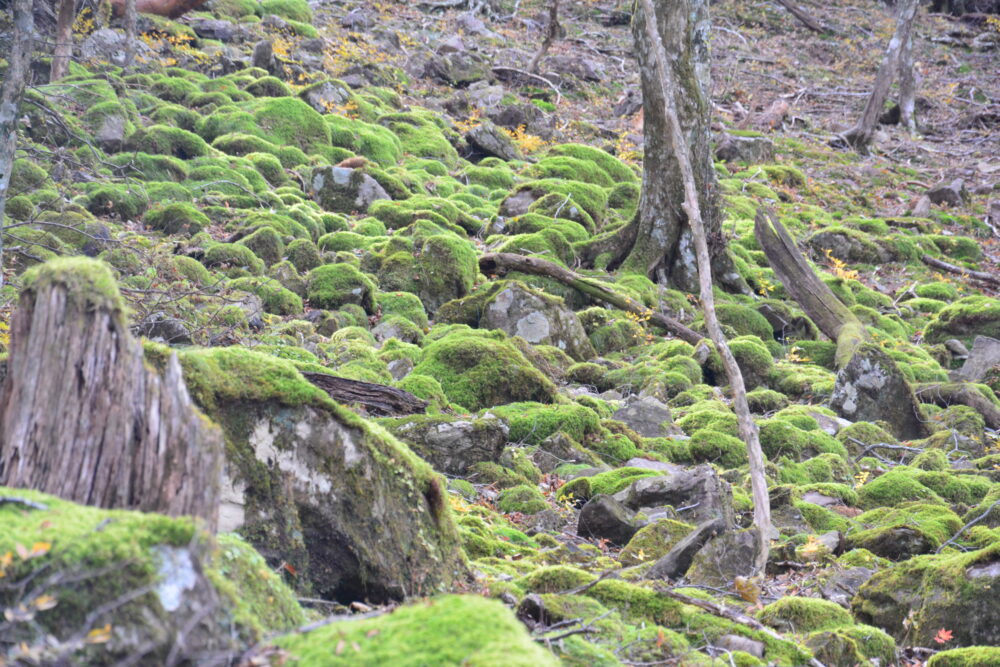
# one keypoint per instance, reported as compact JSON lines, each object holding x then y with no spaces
{"x":378,"y":399}
{"x":860,"y":136}
{"x":14,"y":81}
{"x":131,"y":32}
{"x":500,"y":263}
{"x":989,"y":278}
{"x":658,"y":241}
{"x":64,"y":39}
{"x":947,"y":394}
{"x":83,"y":417}
{"x":668,"y":93}
{"x":550,"y":35}
{"x":907,"y":86}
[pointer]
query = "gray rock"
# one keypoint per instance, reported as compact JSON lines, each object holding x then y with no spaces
{"x":949,"y":193}
{"x":527,"y":115}
{"x":700,"y":491}
{"x":985,"y":355}
{"x":470,"y":24}
{"x":326,"y":95}
{"x":343,"y":190}
{"x":732,"y":554}
{"x":604,"y":517}
{"x":400,"y":368}
{"x":677,"y":561}
{"x":539,"y":318}
{"x":841,"y":585}
{"x":647,"y":416}
{"x":957,"y":348}
{"x":486,"y":140}
{"x":164,"y":329}
{"x":581,"y":68}
{"x":387,"y":329}
{"x":457,"y":69}
{"x":223,"y":31}
{"x":646,"y":464}
{"x":753,"y":150}
{"x":921,"y":207}
{"x":451,"y":44}
{"x":109,"y":45}
{"x":558,"y":449}
{"x":110,"y":135}
{"x":518,"y":203}
{"x":738,"y":643}
{"x":452,"y":446}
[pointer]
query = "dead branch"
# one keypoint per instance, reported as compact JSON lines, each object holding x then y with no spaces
{"x":806,"y":20}
{"x":967,"y":526}
{"x":499,"y":263}
{"x":536,"y":77}
{"x":990,"y":278}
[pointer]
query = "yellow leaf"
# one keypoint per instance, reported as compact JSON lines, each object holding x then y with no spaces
{"x":39,"y":549}
{"x":747,"y":589}
{"x":99,"y":635}
{"x":43,"y":602}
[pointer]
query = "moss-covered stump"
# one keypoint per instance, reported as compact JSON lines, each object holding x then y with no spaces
{"x":352,"y":509}
{"x":916,"y":598}
{"x":106,"y":585}
{"x":450,"y":630}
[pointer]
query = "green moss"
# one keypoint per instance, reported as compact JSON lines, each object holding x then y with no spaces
{"x":653,"y":541}
{"x":711,"y":446}
{"x":177,"y":218}
{"x":267,"y":244}
{"x":289,"y":121}
{"x":554,"y":579}
{"x":374,"y":142}
{"x":896,"y":486}
{"x":939,"y":291}
{"x":533,"y":423}
{"x":276,"y":299}
{"x":404,"y":304}
{"x":969,"y":656}
{"x":967,"y":317}
{"x":26,"y":176}
{"x":126,"y":202}
{"x":935,"y":523}
{"x":853,"y":645}
{"x":233,"y":255}
{"x":296,"y":10}
{"x":334,"y":285}
{"x":88,"y":282}
{"x":798,"y":614}
{"x":616,"y":170}
{"x":164,"y":140}
{"x":763,"y":400}
{"x":421,"y":135}
{"x":483,"y":370}
{"x":449,"y":630}
{"x":605,"y":483}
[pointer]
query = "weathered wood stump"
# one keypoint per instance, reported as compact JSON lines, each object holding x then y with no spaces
{"x":83,"y":417}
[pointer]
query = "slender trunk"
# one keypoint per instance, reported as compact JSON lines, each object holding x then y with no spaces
{"x":550,"y":35}
{"x":748,"y":429}
{"x":14,"y":81}
{"x":907,"y":86}
{"x":130,"y":32}
{"x":64,"y":39}
{"x":860,"y":136}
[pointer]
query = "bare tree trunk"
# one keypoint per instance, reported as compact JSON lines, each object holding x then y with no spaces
{"x":860,"y":136}
{"x":84,"y":418}
{"x":907,"y":86}
{"x":668,"y":88}
{"x":14,"y":81}
{"x":550,"y":35}
{"x":131,"y":32}
{"x":658,"y":241}
{"x":64,"y":39}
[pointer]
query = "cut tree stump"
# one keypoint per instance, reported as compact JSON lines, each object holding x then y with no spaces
{"x":83,"y":417}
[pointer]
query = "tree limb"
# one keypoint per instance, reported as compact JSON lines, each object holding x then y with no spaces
{"x":990,"y":278}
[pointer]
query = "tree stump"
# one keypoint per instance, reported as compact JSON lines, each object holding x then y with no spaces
{"x":82,"y":416}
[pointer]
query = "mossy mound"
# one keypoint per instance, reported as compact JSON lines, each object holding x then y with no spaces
{"x":449,"y":630}
{"x":968,"y":317}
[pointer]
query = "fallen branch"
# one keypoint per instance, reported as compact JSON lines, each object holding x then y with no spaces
{"x":30,"y":504}
{"x":967,"y":273}
{"x":376,"y":398}
{"x":881,"y":445}
{"x":967,"y":526}
{"x":536,"y":77}
{"x":947,"y":394}
{"x":806,"y":20}
{"x":500,"y":263}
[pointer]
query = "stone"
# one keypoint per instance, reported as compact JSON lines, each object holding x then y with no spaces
{"x":400,"y":368}
{"x":646,"y":416}
{"x":471,"y":24}
{"x":581,"y":68}
{"x":753,"y":150}
{"x":526,"y":115}
{"x":451,"y":44}
{"x":894,"y":542}
{"x":343,"y":190}
{"x":558,"y":449}
{"x":359,"y":19}
{"x":957,"y":348}
{"x":949,"y":193}
{"x":324,"y":96}
{"x":647,"y":464}
{"x":538,"y":318}
{"x":453,"y":446}
{"x":841,"y":586}
{"x":677,"y":561}
{"x":109,"y":45}
{"x":603,"y":517}
{"x":739,"y":643}
{"x":518,"y":203}
{"x":871,"y":388}
{"x":985,"y":355}
{"x":110,"y":134}
{"x":456,"y":69}
{"x":393,"y":328}
{"x":161,"y":328}
{"x":223,"y":31}
{"x":921,"y":207}
{"x":732,"y":554}
{"x":698,"y":493}
{"x":486,"y":140}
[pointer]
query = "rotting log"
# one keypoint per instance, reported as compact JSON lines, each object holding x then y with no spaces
{"x":982,"y":276}
{"x":377,"y":399}
{"x":947,"y":394}
{"x":500,"y":263}
{"x":83,"y":417}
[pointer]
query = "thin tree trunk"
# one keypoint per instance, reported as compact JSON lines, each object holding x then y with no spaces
{"x":84,"y":418}
{"x":907,"y":86}
{"x":658,"y":242}
{"x":131,"y":32}
{"x":550,"y":36}
{"x":14,"y":81}
{"x":64,"y":39}
{"x":748,"y":429}
{"x":860,"y":136}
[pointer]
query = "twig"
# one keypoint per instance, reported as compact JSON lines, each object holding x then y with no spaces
{"x":967,"y":526}
{"x":880,"y":445}
{"x":548,"y":83}
{"x":30,"y":504}
{"x":586,"y":587}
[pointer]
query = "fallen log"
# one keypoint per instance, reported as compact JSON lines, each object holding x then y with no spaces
{"x":377,"y":399}
{"x":951,"y":268}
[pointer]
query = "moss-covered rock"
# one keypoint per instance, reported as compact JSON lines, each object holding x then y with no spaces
{"x":968,"y":317}
{"x":334,"y":285}
{"x":801,"y":615}
{"x":970,"y":656}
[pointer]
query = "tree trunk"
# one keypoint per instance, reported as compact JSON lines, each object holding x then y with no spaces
{"x":669,"y":93}
{"x":64,"y":39}
{"x":14,"y":81}
{"x":658,"y":241}
{"x":131,"y":32}
{"x":83,"y":417}
{"x":551,"y":31}
{"x":860,"y":136}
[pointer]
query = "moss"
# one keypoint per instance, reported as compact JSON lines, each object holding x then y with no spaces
{"x":940,"y":291}
{"x":967,"y":317}
{"x":289,"y":121}
{"x":337,"y":241}
{"x":969,"y":656}
{"x":334,"y":285}
{"x":865,"y":433}
{"x":88,"y":282}
{"x":421,"y":136}
{"x":164,"y":140}
{"x":711,"y":446}
{"x":616,"y":170}
{"x":177,"y":218}
{"x":403,"y":304}
{"x":853,"y":645}
{"x":26,"y":176}
{"x":374,"y":142}
{"x":266,"y":243}
{"x":554,"y":579}
{"x":448,"y":630}
{"x":532,"y":423}
{"x":763,"y":401}
{"x":653,"y":541}
{"x":276,"y":299}
{"x":896,"y":486}
{"x":605,"y":483}
{"x":483,"y":370}
{"x":934,"y":523}
{"x":752,"y":356}
{"x":233,"y":255}
{"x":126,"y":202}
{"x":303,"y":254}
{"x":798,"y":614}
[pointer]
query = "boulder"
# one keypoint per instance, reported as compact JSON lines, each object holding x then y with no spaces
{"x":676,"y":562}
{"x":538,"y":318}
{"x":457,"y":69}
{"x":732,"y":554}
{"x":603,"y":517}
{"x":752,"y":150}
{"x":326,"y":95}
{"x":698,"y":494}
{"x":109,"y":45}
{"x":486,"y":140}
{"x":161,"y":328}
{"x":526,"y":115}
{"x":949,"y":193}
{"x":984,"y":355}
{"x":221,"y":30}
{"x":871,"y":388}
{"x":647,"y":416}
{"x":452,"y":446}
{"x":841,"y":585}
{"x":348,"y":506}
{"x":343,"y":190}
